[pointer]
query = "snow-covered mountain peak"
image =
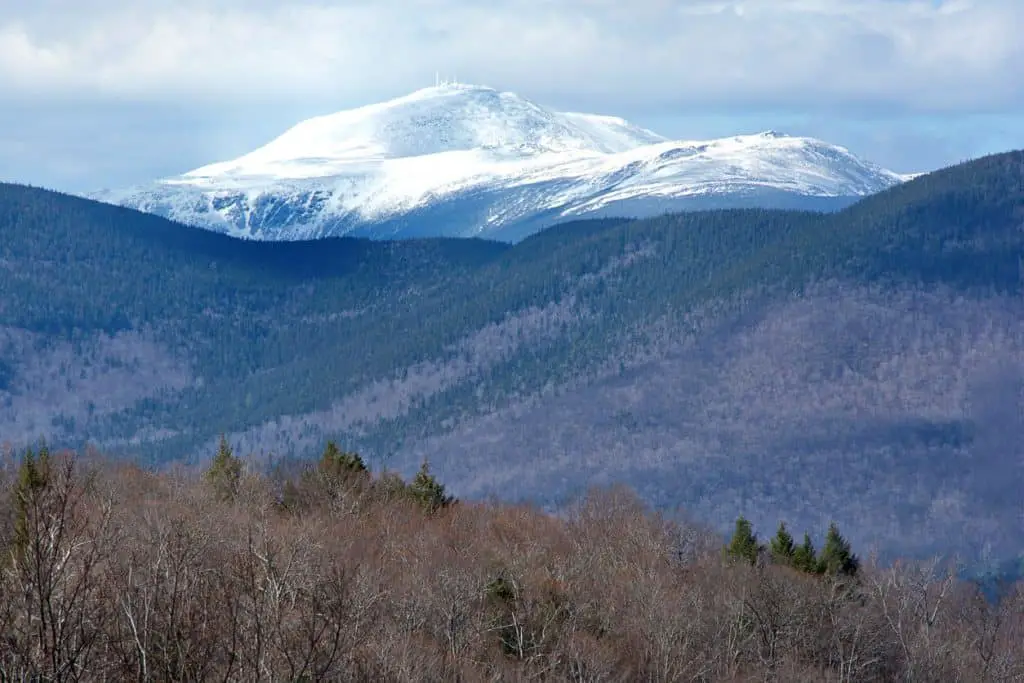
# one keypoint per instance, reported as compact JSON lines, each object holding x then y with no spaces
{"x":458,"y":159}
{"x":435,"y":120}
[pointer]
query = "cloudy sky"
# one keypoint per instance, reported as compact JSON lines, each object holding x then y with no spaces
{"x":103,"y":93}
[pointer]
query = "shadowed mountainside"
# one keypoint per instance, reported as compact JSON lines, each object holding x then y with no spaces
{"x":868,"y":363}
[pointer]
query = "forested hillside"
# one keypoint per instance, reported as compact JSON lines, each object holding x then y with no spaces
{"x":867,"y":364}
{"x":334,"y":572}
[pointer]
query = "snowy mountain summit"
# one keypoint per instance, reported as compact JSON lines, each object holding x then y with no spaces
{"x":466,"y":160}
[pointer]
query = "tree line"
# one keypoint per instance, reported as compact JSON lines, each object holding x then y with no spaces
{"x":330,"y":571}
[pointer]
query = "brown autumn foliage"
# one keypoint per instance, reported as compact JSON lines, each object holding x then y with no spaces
{"x":128,"y":575}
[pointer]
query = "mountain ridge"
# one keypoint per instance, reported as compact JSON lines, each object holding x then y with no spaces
{"x":463,"y":160}
{"x":867,"y":362}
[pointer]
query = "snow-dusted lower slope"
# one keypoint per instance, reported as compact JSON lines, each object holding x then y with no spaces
{"x":471,"y":161}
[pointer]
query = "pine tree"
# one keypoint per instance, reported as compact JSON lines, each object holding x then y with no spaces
{"x":836,"y":556}
{"x":804,"y":556}
{"x":743,"y":546}
{"x":428,"y":491}
{"x":782,"y":547}
{"x":225,"y":471}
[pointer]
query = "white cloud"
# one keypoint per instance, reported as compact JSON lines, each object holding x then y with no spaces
{"x":105,"y":93}
{"x":954,"y":55}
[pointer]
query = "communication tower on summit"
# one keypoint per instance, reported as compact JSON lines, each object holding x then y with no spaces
{"x":438,"y":81}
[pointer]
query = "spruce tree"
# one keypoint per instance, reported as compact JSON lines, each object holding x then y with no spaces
{"x":337,"y":474}
{"x":837,"y":559}
{"x":428,"y":491}
{"x":225,"y":471}
{"x":338,"y":464}
{"x":782,"y":547}
{"x":33,"y":479}
{"x":743,"y":546}
{"x":804,"y":556}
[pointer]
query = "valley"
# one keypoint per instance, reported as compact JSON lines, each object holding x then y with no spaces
{"x":863,"y":364}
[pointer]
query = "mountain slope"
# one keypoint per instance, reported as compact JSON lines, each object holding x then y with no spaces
{"x":464,"y":160}
{"x":867,"y":363}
